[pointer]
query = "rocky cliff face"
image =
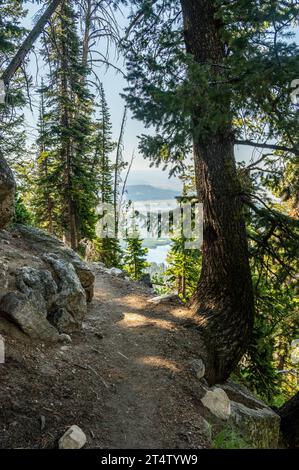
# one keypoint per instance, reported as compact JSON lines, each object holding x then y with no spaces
{"x":7,"y":193}
{"x":44,"y":286}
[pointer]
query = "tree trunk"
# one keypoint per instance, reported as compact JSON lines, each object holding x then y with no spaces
{"x":29,"y":41}
{"x":223,"y":302}
{"x":7,"y":182}
{"x":67,"y":151}
{"x":289,"y":414}
{"x":7,"y":193}
{"x":86,"y":39}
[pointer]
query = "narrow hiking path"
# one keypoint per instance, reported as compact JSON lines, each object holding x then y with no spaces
{"x":124,"y":379}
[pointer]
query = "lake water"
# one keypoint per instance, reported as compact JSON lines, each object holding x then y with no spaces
{"x":158,"y":255}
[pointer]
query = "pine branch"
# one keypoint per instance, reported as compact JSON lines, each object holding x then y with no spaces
{"x":282,"y":148}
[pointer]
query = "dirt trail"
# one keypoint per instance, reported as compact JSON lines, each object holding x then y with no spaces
{"x":124,"y":379}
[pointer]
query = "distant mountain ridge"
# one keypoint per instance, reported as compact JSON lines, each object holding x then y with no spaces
{"x":146,"y":192}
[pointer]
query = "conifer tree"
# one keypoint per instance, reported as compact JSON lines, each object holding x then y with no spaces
{"x":184,"y":261}
{"x":107,"y":245}
{"x":69,"y":113}
{"x":135,"y":262}
{"x":183,"y":267}
{"x":203,"y":73}
{"x":11,"y":120}
{"x":44,"y":197}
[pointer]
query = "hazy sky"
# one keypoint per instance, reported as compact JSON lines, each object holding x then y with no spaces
{"x":113,"y":84}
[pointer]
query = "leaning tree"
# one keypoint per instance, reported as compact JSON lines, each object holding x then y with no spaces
{"x":207,"y":75}
{"x":7,"y":184}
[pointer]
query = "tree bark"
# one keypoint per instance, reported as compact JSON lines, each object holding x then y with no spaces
{"x":7,"y":193}
{"x":223,"y":302}
{"x":67,"y":151}
{"x":289,"y":414}
{"x":29,"y":41}
{"x":86,"y":39}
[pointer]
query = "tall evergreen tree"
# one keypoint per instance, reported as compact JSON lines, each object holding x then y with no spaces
{"x":184,"y":266}
{"x":69,"y":110}
{"x":44,"y":197}
{"x":135,"y":262}
{"x":184,"y":262}
{"x":197,"y":75}
{"x":11,"y":34}
{"x":108,"y":245}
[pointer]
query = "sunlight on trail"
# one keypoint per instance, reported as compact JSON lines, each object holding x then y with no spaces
{"x":134,"y":320}
{"x":159,"y":362}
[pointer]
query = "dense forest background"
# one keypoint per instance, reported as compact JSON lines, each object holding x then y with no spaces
{"x":196,"y":100}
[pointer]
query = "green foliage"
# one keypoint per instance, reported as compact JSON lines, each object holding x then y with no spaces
{"x":22,"y":214}
{"x":104,"y":146}
{"x":273,"y":235}
{"x":166,"y":86}
{"x":109,"y":251}
{"x":135,"y":262}
{"x":11,"y":119}
{"x":66,"y":180}
{"x":229,"y":439}
{"x":184,"y":268}
{"x":184,"y":262}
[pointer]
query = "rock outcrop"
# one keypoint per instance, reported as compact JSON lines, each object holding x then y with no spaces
{"x":7,"y":193}
{"x":42,"y":242}
{"x":231,"y":406}
{"x":45,"y":286}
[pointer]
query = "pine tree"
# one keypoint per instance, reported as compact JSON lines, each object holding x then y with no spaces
{"x":184,"y":266}
{"x":135,"y":262}
{"x":108,"y":247}
{"x":196,"y":74}
{"x":68,"y":110}
{"x":184,"y":262}
{"x":45,"y":209}
{"x":12,"y":138}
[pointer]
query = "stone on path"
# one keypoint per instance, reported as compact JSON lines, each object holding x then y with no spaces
{"x":74,"y":438}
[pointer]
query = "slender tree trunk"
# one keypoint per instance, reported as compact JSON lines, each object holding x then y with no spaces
{"x":44,"y":166}
{"x":87,"y":27}
{"x":289,"y":414}
{"x":29,"y":41}
{"x":71,"y":234}
{"x":223,"y":302}
{"x":7,"y":204}
{"x":117,"y":171}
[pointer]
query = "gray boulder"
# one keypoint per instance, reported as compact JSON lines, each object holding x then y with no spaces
{"x":42,"y":242}
{"x":41,"y":282}
{"x":3,"y":275}
{"x":233,"y":407}
{"x":70,"y":306}
{"x":252,"y":419}
{"x":42,"y":303}
{"x":115,"y":272}
{"x":29,"y":314}
{"x":7,"y":193}
{"x":260,"y":427}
